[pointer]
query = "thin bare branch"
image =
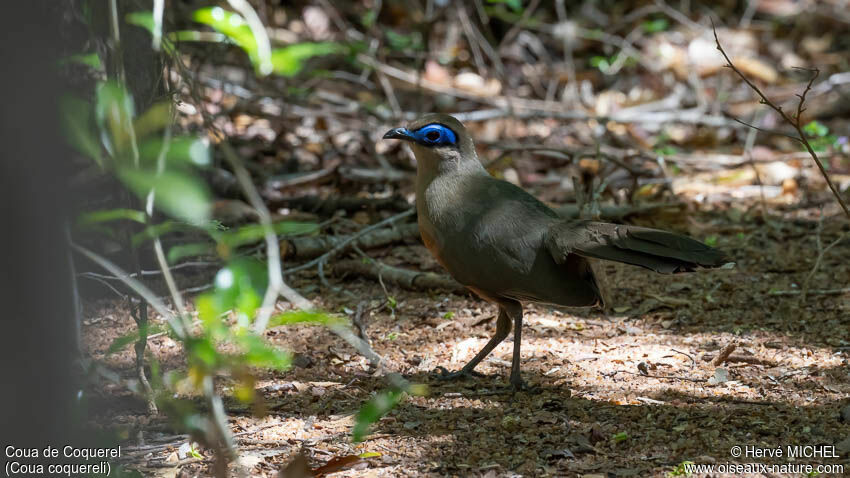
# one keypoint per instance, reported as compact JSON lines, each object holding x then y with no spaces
{"x":795,"y":122}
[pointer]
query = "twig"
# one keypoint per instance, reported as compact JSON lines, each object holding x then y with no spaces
{"x":845,"y":290}
{"x":138,"y":287}
{"x":795,"y":122}
{"x":666,"y":377}
{"x":821,"y":253}
{"x":693,"y":362}
{"x":724,"y":354}
{"x":342,"y":245}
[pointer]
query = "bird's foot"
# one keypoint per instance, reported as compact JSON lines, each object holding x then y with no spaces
{"x":443,"y":374}
{"x":520,"y":385}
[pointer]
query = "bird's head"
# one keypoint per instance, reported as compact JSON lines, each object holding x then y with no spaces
{"x":437,"y":140}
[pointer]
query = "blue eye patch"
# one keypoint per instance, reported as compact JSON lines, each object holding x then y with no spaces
{"x":435,"y":134}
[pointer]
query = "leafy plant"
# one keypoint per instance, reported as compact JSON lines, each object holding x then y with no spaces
{"x":515,"y":5}
{"x":286,"y":61}
{"x":820,"y":140}
{"x":656,"y":25}
{"x":681,"y":469}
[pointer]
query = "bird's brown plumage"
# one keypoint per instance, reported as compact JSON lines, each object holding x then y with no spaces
{"x":508,"y":247}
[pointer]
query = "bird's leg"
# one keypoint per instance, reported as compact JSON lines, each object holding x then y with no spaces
{"x":503,"y":328}
{"x":517,"y":383}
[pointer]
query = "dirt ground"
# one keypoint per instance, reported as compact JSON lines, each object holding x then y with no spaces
{"x":630,"y":393}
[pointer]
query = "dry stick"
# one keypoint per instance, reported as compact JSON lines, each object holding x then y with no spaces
{"x":342,"y":245}
{"x":724,"y":354}
{"x":666,"y":377}
{"x":845,"y":290}
{"x":179,"y":328}
{"x":821,"y":253}
{"x":795,"y":123}
{"x":693,"y":362}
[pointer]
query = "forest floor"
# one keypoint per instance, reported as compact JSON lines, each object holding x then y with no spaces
{"x":630,"y":393}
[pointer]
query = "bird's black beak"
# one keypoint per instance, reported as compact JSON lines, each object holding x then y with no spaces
{"x":399,"y":133}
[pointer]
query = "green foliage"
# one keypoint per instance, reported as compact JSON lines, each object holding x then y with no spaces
{"x":179,"y":151}
{"x":232,"y":25}
{"x":107,"y":215}
{"x":286,"y":61}
{"x":815,"y":129}
{"x":666,"y":150}
{"x":398,"y":41}
{"x":258,"y":353}
{"x":307,"y":317}
{"x":711,"y":241}
{"x":179,"y":194}
{"x":241,"y":285}
{"x":618,"y":437}
{"x":91,"y":60}
{"x":252,"y":233}
{"x":289,"y":60}
{"x":680,"y":469}
{"x":820,"y":139}
{"x":605,"y":63}
{"x":113,"y":114}
{"x":119,"y":343}
{"x":373,"y":410}
{"x":656,"y":25}
{"x":141,"y":19}
{"x":515,"y":5}
{"x":78,"y":125}
{"x":181,"y":251}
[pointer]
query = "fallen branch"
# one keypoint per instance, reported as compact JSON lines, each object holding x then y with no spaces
{"x":311,"y":247}
{"x":406,"y":278}
{"x":724,"y":354}
{"x":339,"y":248}
{"x":328,"y":206}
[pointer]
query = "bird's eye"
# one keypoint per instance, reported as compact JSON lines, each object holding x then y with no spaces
{"x":435,"y":134}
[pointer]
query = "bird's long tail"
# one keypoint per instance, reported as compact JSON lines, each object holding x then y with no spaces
{"x":661,"y":251}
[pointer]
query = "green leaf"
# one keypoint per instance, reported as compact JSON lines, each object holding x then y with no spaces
{"x":179,"y":194}
{"x":666,"y":150}
{"x":241,"y":285}
{"x":182,"y":150}
{"x":515,"y":5}
{"x":711,"y":241}
{"x":191,"y":35}
{"x":656,"y":25}
{"x":289,"y":60}
{"x":372,"y":411}
{"x":142,"y":19}
{"x":154,"y":119}
{"x":158,"y":230}
{"x":252,"y":233}
{"x":622,"y":436}
{"x":122,"y":341}
{"x":258,"y":353}
{"x":815,"y":129}
{"x":92,"y":60}
{"x":79,"y":128}
{"x":203,"y":350}
{"x":399,"y":41}
{"x":97,"y":217}
{"x":232,"y":25}
{"x":113,"y":114}
{"x":306,"y":317}
{"x":192,"y":249}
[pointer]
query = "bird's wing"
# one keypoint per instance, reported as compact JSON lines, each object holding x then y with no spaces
{"x":661,"y":251}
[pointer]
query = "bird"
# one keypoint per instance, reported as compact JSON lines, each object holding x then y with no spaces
{"x":509,"y":248}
